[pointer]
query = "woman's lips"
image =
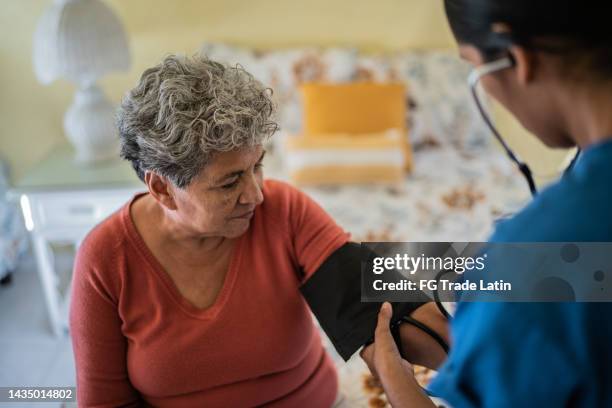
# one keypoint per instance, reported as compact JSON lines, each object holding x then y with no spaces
{"x":246,"y":215}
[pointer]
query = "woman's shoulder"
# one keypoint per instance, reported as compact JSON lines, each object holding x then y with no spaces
{"x":279,"y":190}
{"x":283,"y":200}
{"x":105,"y":238}
{"x":280,"y":197}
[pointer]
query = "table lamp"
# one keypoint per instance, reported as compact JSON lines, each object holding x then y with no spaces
{"x":82,"y":40}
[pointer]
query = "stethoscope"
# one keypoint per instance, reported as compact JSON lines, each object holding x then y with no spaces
{"x":473,"y":80}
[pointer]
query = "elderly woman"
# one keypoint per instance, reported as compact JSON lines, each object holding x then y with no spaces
{"x":188,"y":296}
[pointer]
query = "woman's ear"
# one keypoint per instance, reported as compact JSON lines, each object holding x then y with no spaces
{"x":160,"y":189}
{"x":524,"y":64}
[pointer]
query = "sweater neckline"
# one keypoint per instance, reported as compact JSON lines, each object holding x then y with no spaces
{"x":189,"y":308}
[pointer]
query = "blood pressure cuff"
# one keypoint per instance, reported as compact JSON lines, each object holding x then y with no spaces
{"x":334,"y":296}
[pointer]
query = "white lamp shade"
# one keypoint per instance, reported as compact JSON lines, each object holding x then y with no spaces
{"x":79,"y":40}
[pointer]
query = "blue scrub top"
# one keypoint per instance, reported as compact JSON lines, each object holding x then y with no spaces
{"x":540,"y":354}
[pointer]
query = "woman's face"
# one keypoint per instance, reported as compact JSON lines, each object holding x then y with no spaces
{"x":528,"y":90}
{"x":221,"y":200}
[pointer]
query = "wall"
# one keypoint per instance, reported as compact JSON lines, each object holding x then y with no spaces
{"x":31,"y":114}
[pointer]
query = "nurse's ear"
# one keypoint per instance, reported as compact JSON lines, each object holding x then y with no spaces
{"x":525,"y":64}
{"x":524,"y":60}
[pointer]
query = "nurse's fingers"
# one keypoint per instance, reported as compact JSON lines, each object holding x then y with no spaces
{"x":382,"y":336}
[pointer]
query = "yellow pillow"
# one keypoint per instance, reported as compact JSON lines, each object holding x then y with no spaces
{"x":360,"y":107}
{"x":342,"y":158}
{"x":355,"y":108}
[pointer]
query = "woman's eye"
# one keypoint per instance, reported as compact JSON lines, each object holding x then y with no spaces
{"x":230,"y":185}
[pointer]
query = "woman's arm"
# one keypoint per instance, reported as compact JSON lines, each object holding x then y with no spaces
{"x":334,"y":294}
{"x":332,"y":283}
{"x":98,"y":343}
{"x":417,"y":346}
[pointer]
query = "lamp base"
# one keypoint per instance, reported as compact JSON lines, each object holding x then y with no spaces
{"x":90,"y":126}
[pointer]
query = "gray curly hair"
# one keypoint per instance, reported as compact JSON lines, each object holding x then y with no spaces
{"x":185,"y":110}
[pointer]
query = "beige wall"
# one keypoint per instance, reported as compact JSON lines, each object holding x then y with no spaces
{"x":31,"y":114}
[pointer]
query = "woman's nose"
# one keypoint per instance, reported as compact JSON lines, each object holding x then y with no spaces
{"x":252,"y":193}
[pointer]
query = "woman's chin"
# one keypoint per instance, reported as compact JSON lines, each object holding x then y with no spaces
{"x":237,"y":227}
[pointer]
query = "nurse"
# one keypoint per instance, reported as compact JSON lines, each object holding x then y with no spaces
{"x":549,"y":62}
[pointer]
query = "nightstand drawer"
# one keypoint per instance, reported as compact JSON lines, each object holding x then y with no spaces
{"x":75,"y":209}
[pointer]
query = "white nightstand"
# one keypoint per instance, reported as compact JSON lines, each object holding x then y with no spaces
{"x":61,"y":201}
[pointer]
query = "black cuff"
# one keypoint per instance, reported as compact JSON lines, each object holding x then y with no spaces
{"x":334,"y":296}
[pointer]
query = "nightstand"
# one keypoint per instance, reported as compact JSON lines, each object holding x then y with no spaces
{"x":61,"y":202}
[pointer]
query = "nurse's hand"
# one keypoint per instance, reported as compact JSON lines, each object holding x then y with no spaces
{"x":383,"y":355}
{"x":395,"y":374}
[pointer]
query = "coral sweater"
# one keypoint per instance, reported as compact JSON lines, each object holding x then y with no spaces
{"x":138,"y":342}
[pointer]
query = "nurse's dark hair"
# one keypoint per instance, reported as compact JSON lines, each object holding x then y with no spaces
{"x":579,"y":32}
